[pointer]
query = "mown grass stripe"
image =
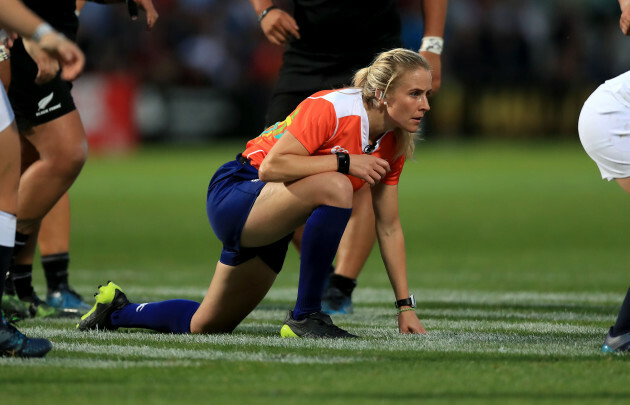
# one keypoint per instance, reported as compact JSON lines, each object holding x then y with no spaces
{"x":239,"y":345}
{"x":143,"y":351}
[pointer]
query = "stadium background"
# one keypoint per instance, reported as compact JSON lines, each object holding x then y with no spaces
{"x":512,"y":68}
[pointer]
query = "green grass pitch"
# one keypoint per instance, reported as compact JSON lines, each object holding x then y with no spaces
{"x":517,"y":254}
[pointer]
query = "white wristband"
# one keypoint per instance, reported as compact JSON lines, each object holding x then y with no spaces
{"x":432,"y":44}
{"x":41,"y":30}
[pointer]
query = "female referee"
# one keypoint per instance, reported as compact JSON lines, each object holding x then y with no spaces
{"x":301,"y":171}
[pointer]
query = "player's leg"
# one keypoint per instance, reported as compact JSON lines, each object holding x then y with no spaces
{"x":625,"y":184}
{"x":354,"y":249}
{"x":618,"y":338}
{"x":54,"y":248}
{"x":62,"y":147}
{"x":12,"y":342}
{"x":601,"y":127}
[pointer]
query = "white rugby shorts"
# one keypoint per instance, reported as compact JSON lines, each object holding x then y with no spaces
{"x":6,"y":112}
{"x":604,"y":128}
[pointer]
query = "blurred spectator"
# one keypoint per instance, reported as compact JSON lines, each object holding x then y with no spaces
{"x":565,"y":45}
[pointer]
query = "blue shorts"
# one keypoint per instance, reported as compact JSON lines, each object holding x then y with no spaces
{"x":231,"y":195}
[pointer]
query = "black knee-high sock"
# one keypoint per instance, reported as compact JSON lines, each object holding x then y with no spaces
{"x":623,"y":319}
{"x":5,"y":261}
{"x":22,"y":277}
{"x":20,"y":242}
{"x":344,"y":284}
{"x":56,"y":270}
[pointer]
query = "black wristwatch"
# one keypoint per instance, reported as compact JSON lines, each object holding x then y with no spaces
{"x":410,"y":302}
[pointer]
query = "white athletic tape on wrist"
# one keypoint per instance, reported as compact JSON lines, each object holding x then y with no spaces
{"x":41,"y":30}
{"x":432,"y":44}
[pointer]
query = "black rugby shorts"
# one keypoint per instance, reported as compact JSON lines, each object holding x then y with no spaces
{"x":36,"y":104}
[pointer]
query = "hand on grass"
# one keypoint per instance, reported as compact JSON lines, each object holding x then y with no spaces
{"x":408,"y":322}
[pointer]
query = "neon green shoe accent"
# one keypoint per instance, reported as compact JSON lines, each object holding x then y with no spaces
{"x":44,"y":311}
{"x":14,"y":307}
{"x":286,"y":332}
{"x":105,"y":295}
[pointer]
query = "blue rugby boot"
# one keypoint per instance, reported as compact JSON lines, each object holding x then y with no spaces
{"x":334,"y":301}
{"x":614,"y":344}
{"x":66,"y":298}
{"x":13,"y":343}
{"x":109,"y":298}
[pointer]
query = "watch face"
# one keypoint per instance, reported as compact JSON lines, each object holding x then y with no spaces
{"x":413,"y":301}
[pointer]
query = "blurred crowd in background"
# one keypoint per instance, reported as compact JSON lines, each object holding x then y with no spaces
{"x":510,"y":67}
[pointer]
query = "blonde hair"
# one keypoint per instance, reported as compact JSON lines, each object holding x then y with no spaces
{"x":382,"y":74}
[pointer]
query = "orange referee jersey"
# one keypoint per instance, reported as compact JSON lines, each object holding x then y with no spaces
{"x":328,"y":122}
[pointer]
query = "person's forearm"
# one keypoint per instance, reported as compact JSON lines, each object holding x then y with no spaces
{"x":261,"y":5}
{"x":623,"y":4}
{"x":14,"y":16}
{"x":392,"y":246}
{"x":434,"y":13}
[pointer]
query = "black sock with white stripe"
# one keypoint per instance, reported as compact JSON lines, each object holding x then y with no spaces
{"x":20,"y":242}
{"x":22,"y":277}
{"x":56,"y":270}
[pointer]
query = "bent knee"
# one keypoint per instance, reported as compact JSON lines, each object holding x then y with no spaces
{"x":337,"y":191}
{"x":70,"y":163}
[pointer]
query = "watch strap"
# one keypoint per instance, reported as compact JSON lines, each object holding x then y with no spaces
{"x":409,"y":302}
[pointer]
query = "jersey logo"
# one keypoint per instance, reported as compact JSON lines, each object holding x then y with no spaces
{"x":43,"y":103}
{"x":369,"y":149}
{"x":337,"y":149}
{"x":141,"y":307}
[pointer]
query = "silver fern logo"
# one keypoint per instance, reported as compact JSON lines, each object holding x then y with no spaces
{"x":43,"y":103}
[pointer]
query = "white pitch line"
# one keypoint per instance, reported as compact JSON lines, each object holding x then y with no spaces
{"x":115,"y":350}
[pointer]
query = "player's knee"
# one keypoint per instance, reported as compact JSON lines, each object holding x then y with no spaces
{"x":337,"y":191}
{"x":71,"y":161}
